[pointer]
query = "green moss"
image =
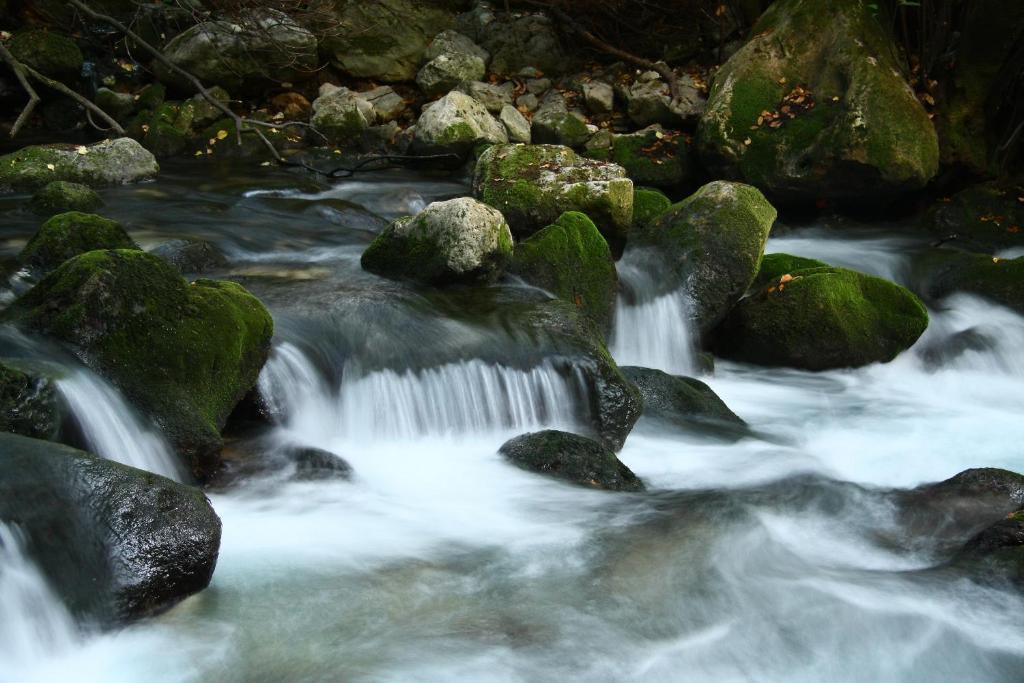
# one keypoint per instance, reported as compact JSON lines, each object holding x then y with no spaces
{"x":996,"y":279}
{"x":649,"y":162}
{"x":184,"y":353}
{"x":774,"y":266}
{"x":49,"y":53}
{"x":559,"y":128}
{"x":151,"y":97}
{"x":648,"y":204}
{"x":60,"y":196}
{"x":69,"y":234}
{"x":571,"y":260}
{"x":822,"y":318}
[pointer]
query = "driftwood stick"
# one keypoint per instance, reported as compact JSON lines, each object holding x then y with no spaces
{"x":33,"y":96}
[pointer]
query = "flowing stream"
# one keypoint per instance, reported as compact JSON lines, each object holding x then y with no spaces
{"x":777,"y":557}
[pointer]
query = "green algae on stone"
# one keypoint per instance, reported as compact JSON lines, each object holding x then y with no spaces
{"x":857,"y":132}
{"x":60,"y":196}
{"x":67,"y":235}
{"x":571,"y":260}
{"x":183,"y":353}
{"x":776,"y":265}
{"x":47,"y":52}
{"x":712,"y":242}
{"x":648,"y":204}
{"x":822,"y":318}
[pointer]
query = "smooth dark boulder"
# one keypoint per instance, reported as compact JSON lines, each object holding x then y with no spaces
{"x":116,"y":543}
{"x":684,"y":403}
{"x":999,"y":280}
{"x":570,"y":457}
{"x":192,"y":257}
{"x":185,"y":354}
{"x":315,"y":463}
{"x":996,"y":553}
{"x":822,"y":318}
{"x":69,"y":234}
{"x":984,"y":217}
{"x":61,"y":196}
{"x":572,"y":260}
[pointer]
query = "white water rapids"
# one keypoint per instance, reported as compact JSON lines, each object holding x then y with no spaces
{"x":759,"y":560}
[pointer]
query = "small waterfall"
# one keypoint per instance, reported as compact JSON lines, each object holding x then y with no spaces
{"x":34,"y":624}
{"x":471,"y":396}
{"x":652,"y":328}
{"x":111,"y":428}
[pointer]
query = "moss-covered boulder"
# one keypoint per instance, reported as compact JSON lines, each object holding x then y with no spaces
{"x":67,"y":235}
{"x":183,"y":353}
{"x":165,"y":131}
{"x":48,"y":52}
{"x":456,"y":241}
{"x":1000,"y":280}
{"x":822,"y":318}
{"x":383,"y":40}
{"x":774,"y":266}
{"x":116,"y":543}
{"x":571,"y":259}
{"x":653,"y":156}
{"x":261,"y":47}
{"x":532,"y":185}
{"x":456,"y":124}
{"x":29,"y":404}
{"x":110,"y":162}
{"x":648,"y":204}
{"x":712,"y":242}
{"x":120,"y":105}
{"x":191,"y":256}
{"x":984,"y":217}
{"x":572,"y":458}
{"x":815,"y":106}
{"x":60,"y":196}
{"x":684,"y":403}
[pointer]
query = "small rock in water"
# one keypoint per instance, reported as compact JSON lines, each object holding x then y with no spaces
{"x":570,"y":457}
{"x":315,"y":463}
{"x":191,"y":256}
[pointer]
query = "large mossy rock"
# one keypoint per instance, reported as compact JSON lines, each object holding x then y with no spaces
{"x":455,"y":124}
{"x":110,"y":162}
{"x":61,"y":196}
{"x":822,"y":318}
{"x":115,"y":542}
{"x":572,"y":458}
{"x":455,"y":241}
{"x":571,"y":259}
{"x":712,"y":242}
{"x":49,"y":53}
{"x":648,"y":204}
{"x":684,"y":403}
{"x":774,"y":266}
{"x":815,"y":106}
{"x":67,"y":235}
{"x":29,"y":404}
{"x":183,"y":353}
{"x":652,"y":156}
{"x":264,"y":46}
{"x":997,"y":279}
{"x":383,"y":40}
{"x":984,"y":217}
{"x":532,"y":185}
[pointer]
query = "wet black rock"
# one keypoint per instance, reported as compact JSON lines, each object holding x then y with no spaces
{"x":316,"y":463}
{"x":29,"y":403}
{"x":571,"y":457}
{"x":191,"y":257}
{"x":117,"y":543}
{"x":997,"y":553}
{"x":684,"y":403}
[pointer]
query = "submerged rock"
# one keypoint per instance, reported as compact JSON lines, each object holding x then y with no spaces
{"x":997,"y":553}
{"x":29,"y":403}
{"x":60,"y":196}
{"x":571,"y":259}
{"x":191,"y":256}
{"x":570,"y":457}
{"x":815,"y":106}
{"x":183,"y":353}
{"x":110,"y":162}
{"x":313,"y":464}
{"x":459,"y":240}
{"x":116,"y":543}
{"x":684,"y":403}
{"x":69,"y":234}
{"x":455,"y":124}
{"x":997,"y":279}
{"x":822,"y":318}
{"x":532,"y":185}
{"x":713,"y":242}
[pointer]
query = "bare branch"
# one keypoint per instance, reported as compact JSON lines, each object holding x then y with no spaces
{"x":33,"y":97}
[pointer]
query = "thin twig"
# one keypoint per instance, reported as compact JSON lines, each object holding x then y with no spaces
{"x":65,"y":90}
{"x":33,"y":96}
